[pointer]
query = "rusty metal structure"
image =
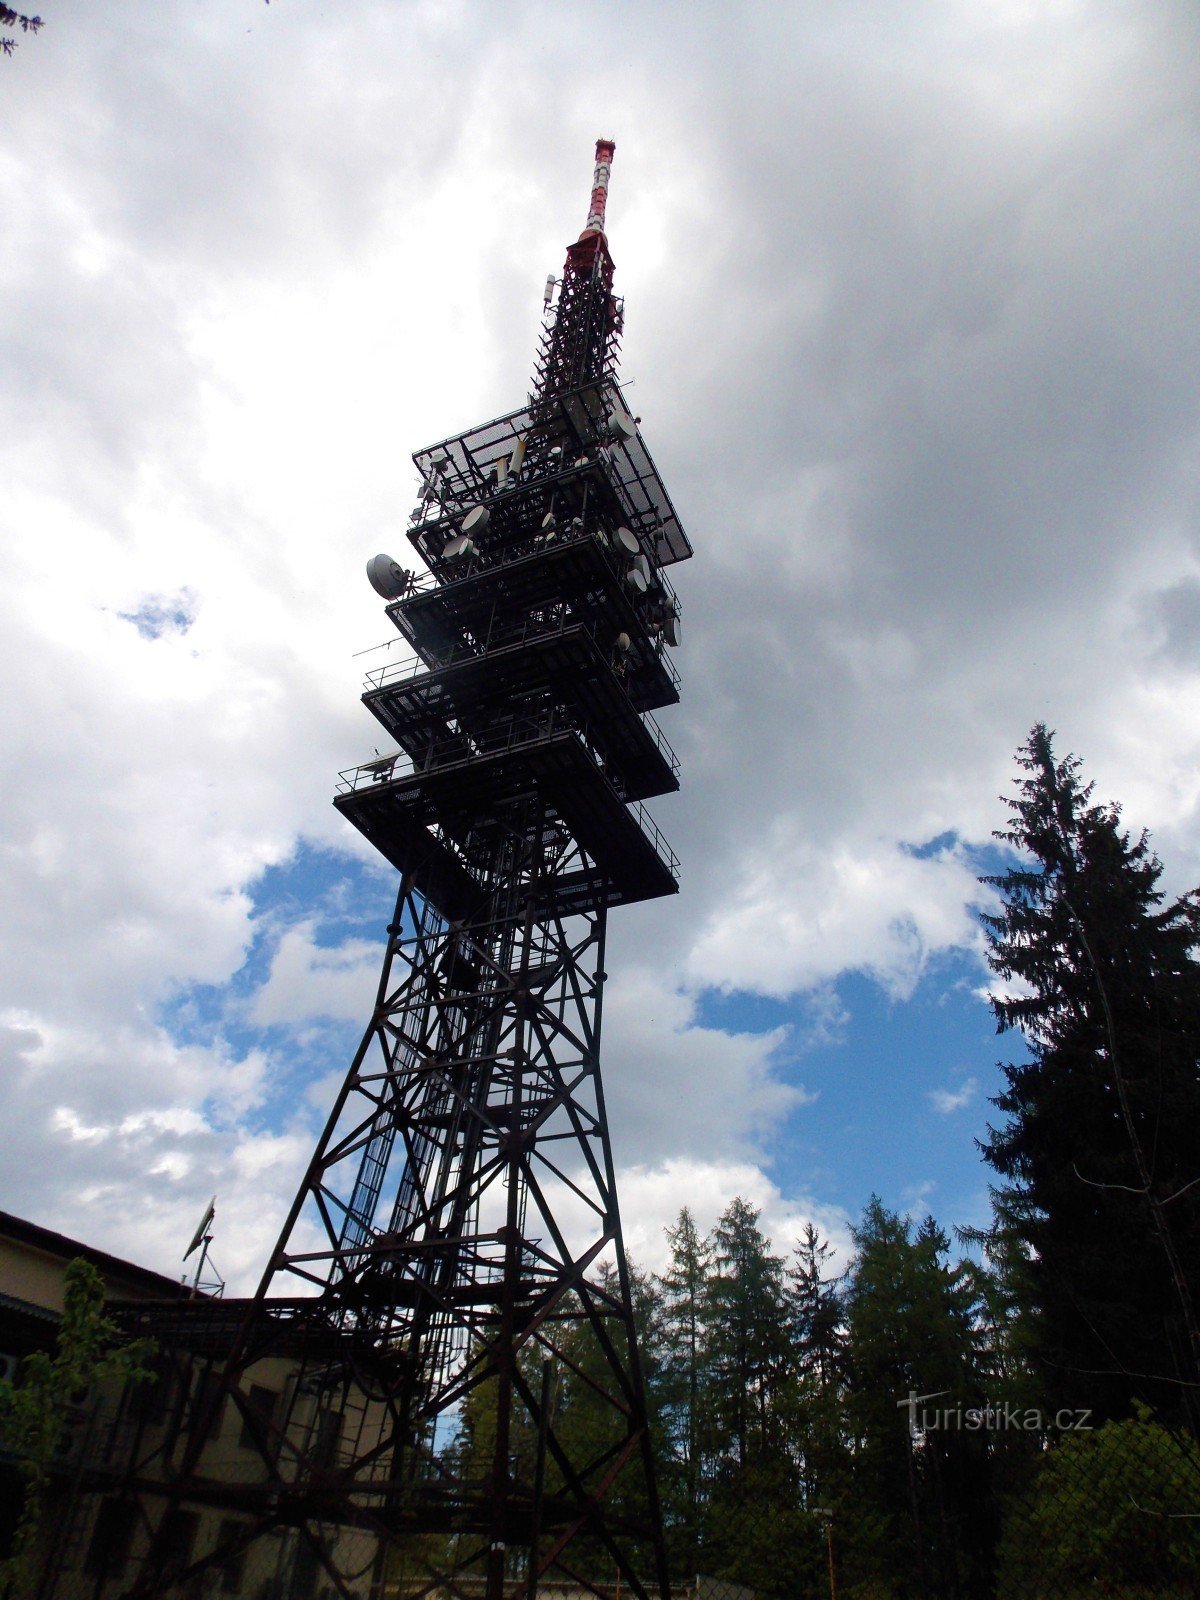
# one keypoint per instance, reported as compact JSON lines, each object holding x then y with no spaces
{"x":436,"y":1389}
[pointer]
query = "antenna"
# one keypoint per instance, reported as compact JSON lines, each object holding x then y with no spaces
{"x":388,"y":578}
{"x":604,"y":155}
{"x":201,"y":1240}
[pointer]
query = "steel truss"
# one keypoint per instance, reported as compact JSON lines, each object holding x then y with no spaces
{"x":436,"y":1389}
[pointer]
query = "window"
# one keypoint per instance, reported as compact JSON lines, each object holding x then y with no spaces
{"x":261,"y":1403}
{"x":112,"y":1533}
{"x":232,"y":1565}
{"x":179,"y":1538}
{"x":207,"y":1387}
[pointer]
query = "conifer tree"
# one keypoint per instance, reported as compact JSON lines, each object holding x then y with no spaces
{"x":682,"y":1290}
{"x":1100,"y":1153}
{"x":748,"y":1342}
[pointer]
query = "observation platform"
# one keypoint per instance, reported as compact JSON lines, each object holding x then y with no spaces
{"x":478,"y":608}
{"x":399,"y":813}
{"x":551,"y":675}
{"x":572,"y":457}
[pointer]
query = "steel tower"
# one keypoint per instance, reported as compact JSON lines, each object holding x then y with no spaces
{"x":453,"y":1262}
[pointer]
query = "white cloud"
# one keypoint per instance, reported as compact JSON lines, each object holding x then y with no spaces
{"x":920,"y":372}
{"x":946,"y":1101}
{"x":804,"y":915}
{"x":308,"y":980}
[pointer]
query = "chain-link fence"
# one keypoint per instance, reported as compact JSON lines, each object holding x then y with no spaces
{"x":1110,"y":1512}
{"x":967,"y":1512}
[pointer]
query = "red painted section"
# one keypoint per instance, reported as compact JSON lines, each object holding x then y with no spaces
{"x":604,"y":155}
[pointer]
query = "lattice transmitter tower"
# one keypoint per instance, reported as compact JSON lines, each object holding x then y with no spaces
{"x":453,"y":1264}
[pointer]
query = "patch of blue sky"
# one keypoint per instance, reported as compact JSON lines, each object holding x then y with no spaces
{"x":897,"y":1091}
{"x":162,"y":614}
{"x":338,"y":898}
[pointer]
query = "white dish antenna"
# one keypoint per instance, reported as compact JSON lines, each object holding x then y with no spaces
{"x":636,"y":579}
{"x":387,"y":577}
{"x":626,"y":540}
{"x":549,"y":521}
{"x":671,"y":630}
{"x":620,"y":428}
{"x":455,"y":547}
{"x":206,"y":1223}
{"x":380,"y":766}
{"x":624,"y":643}
{"x":643,"y":567}
{"x":476,"y":520}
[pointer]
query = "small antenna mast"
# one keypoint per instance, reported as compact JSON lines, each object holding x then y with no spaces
{"x":201,"y":1240}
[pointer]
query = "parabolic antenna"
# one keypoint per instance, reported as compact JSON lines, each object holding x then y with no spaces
{"x":643,"y":567}
{"x":671,"y":631}
{"x":620,"y":427}
{"x":456,"y":547}
{"x":549,"y":520}
{"x":624,"y":643}
{"x":475,"y":521}
{"x":636,"y":579}
{"x":625,"y":540}
{"x":381,"y":766}
{"x":387,"y":577}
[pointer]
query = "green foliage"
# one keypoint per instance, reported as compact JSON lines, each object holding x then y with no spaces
{"x":1102,"y":1232}
{"x":1114,"y":1512}
{"x":748,"y":1348}
{"x":34,"y":1409}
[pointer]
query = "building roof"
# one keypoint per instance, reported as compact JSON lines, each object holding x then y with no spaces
{"x":125,"y":1275}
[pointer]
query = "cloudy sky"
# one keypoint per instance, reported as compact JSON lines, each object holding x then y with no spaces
{"x":913,"y":311}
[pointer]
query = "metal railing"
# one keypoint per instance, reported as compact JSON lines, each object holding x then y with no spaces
{"x":520,"y":733}
{"x":502,"y":638}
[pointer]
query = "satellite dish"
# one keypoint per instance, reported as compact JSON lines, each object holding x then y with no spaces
{"x":620,"y":427}
{"x":205,"y":1224}
{"x":636,"y":580}
{"x":442,"y":465}
{"x":381,"y":766}
{"x":671,"y":631}
{"x":456,"y":547}
{"x":556,"y":453}
{"x":624,"y":643}
{"x":387,"y":577}
{"x":549,"y":520}
{"x":475,"y":521}
{"x":623,"y":539}
{"x":576,"y":525}
{"x":643,"y":567}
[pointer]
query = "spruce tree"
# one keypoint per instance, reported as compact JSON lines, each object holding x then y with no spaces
{"x":683,"y":1291}
{"x":1100,"y":1152}
{"x":748,"y":1343}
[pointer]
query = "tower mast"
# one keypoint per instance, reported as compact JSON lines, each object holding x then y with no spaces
{"x":454,"y":1258}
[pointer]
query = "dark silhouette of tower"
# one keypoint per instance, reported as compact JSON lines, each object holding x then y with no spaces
{"x":437,"y":1386}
